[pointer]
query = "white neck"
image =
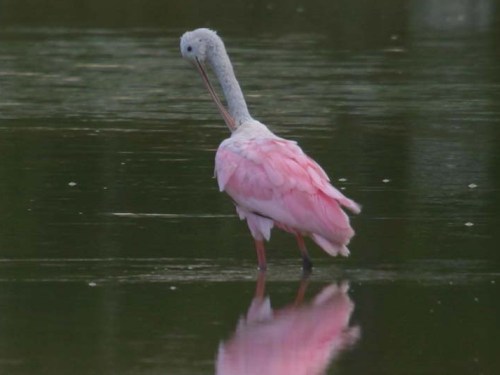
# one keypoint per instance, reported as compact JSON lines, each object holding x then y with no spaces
{"x":221,"y":65}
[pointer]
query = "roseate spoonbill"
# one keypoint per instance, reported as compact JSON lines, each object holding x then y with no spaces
{"x":271,"y":181}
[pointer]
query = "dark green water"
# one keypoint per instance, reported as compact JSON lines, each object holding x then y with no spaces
{"x":118,"y":255}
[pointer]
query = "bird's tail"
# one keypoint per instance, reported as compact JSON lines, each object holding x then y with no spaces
{"x":330,"y":247}
{"x":352,"y":206}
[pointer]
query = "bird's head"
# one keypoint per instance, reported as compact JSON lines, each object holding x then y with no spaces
{"x":196,"y":45}
{"x":199,"y":47}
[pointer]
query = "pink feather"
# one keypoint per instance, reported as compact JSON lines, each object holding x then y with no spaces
{"x":271,"y":180}
{"x":272,"y":177}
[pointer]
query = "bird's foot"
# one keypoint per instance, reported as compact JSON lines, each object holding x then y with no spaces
{"x":307,"y":265}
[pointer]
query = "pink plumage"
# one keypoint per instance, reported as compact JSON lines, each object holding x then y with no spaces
{"x":273,"y":182}
{"x":270,"y":179}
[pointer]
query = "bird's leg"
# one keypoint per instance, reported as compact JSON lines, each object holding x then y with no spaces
{"x":306,"y":261}
{"x":261,"y":254}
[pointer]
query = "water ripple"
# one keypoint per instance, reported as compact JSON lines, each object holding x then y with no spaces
{"x":99,"y":271}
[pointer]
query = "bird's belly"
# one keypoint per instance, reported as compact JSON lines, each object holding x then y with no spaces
{"x":274,"y":211}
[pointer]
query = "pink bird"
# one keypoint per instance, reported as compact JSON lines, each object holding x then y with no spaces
{"x":271,"y":181}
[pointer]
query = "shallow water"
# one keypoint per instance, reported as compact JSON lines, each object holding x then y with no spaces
{"x":119,"y":255}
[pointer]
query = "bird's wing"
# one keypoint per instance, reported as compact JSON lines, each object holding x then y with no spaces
{"x":275,"y":178}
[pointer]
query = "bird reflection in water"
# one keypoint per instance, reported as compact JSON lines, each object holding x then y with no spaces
{"x":298,"y":339}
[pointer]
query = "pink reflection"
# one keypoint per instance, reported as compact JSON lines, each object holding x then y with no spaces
{"x":298,"y":339}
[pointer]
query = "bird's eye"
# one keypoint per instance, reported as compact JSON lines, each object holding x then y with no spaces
{"x":189,"y":49}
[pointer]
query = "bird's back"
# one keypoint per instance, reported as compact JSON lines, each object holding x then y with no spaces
{"x":274,"y":178}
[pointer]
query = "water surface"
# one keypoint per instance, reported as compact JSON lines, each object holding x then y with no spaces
{"x":119,"y":255}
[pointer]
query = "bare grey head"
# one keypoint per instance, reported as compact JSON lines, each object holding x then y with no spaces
{"x":204,"y":47}
{"x":198,"y":44}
